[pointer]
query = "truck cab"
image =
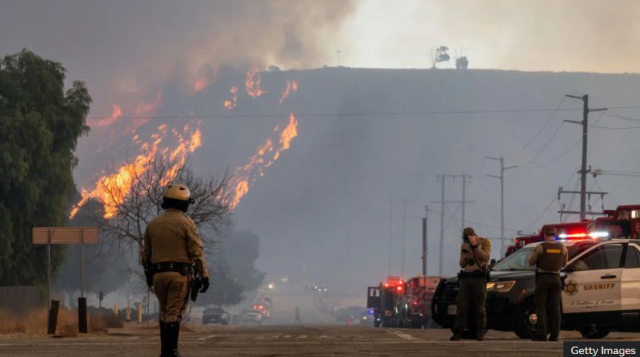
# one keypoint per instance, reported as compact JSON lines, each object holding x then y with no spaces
{"x":384,"y":299}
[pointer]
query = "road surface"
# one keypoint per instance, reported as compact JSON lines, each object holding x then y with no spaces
{"x":318,"y":336}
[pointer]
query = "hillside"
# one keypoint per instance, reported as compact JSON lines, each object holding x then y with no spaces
{"x":323,"y":206}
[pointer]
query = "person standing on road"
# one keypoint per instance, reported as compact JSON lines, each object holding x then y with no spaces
{"x":171,"y":247}
{"x":297,"y":317}
{"x":474,"y":260}
{"x":549,"y":257}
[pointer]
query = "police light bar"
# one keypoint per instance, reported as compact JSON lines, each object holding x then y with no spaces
{"x":593,"y":235}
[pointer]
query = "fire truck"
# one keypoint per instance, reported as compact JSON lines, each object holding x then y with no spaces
{"x":416,"y":312}
{"x":384,"y":299}
{"x":623,"y":222}
{"x":397,"y":303}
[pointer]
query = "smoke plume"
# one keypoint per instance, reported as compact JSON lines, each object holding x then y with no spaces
{"x":129,"y":48}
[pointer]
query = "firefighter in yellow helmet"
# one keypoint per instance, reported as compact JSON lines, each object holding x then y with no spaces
{"x":171,"y":248}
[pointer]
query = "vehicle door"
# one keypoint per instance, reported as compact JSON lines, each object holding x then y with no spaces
{"x":631,"y":285}
{"x":373,"y":297}
{"x":593,"y":283}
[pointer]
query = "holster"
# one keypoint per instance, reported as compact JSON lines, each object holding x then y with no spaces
{"x":563,"y":281}
{"x":195,"y":289}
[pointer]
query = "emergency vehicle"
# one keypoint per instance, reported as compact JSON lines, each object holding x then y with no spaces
{"x":397,"y":303}
{"x":416,"y":311}
{"x":623,"y":222}
{"x":601,"y":290}
{"x":384,"y":299}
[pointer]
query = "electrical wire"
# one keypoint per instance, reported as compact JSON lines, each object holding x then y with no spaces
{"x":327,"y":115}
{"x":541,"y":129}
{"x":568,"y":150}
{"x":539,"y":152}
{"x":549,"y":206}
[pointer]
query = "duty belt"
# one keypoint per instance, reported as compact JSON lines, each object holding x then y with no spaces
{"x":471,"y":274}
{"x":182,"y":268}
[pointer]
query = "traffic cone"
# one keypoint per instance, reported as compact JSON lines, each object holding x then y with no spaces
{"x":348,"y":321}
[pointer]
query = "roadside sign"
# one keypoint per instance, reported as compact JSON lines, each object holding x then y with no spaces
{"x":65,"y":235}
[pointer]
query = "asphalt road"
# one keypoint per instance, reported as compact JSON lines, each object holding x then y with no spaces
{"x":318,"y":336}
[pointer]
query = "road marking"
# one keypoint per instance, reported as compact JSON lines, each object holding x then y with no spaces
{"x":133,"y":338}
{"x":302,"y":336}
{"x":402,"y":335}
{"x":208,"y":337}
{"x":286,"y":336}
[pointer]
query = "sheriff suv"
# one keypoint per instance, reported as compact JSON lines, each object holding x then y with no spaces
{"x":601,"y":292}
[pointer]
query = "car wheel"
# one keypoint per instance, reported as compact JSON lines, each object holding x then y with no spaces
{"x":598,"y":333}
{"x":526,"y":320}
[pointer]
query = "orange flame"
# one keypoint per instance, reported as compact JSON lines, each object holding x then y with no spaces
{"x":291,"y":86}
{"x":111,"y":190}
{"x":245,"y":176}
{"x":117,"y":112}
{"x":252,"y":83}
{"x":230,"y":104}
{"x":145,"y":108}
{"x":200,"y":85}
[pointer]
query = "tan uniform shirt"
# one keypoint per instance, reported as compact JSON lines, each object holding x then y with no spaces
{"x":537,"y":252}
{"x":482,"y":255}
{"x":172,"y":237}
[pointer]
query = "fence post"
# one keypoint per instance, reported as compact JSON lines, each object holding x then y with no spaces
{"x":53,"y":317}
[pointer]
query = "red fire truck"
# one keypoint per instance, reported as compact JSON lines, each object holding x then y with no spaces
{"x":416,"y":311}
{"x":397,"y":303}
{"x":384,"y":299}
{"x":624,"y":221}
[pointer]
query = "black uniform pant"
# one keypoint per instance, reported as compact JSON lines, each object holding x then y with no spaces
{"x":473,"y":290}
{"x":548,"y":300}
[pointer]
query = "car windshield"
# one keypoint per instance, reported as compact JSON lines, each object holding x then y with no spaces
{"x":215,"y":310}
{"x":520,"y":259}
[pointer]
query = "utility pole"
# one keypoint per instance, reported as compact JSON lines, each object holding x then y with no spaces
{"x":585,"y":134}
{"x":501,"y":178}
{"x":464,"y":182}
{"x":404,"y":218}
{"x":390,"y":232}
{"x":425,"y":247}
{"x":443,"y":208}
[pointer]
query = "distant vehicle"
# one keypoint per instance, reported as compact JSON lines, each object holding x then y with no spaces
{"x":367,"y":317}
{"x":215,"y":315}
{"x":253,"y":316}
{"x":352,"y":312}
{"x":263,"y":309}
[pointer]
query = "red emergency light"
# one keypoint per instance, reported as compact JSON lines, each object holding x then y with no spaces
{"x":399,"y":288}
{"x":583,"y":235}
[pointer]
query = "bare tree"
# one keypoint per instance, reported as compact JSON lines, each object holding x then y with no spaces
{"x":132,"y":196}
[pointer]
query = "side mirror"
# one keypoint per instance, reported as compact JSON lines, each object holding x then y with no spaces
{"x":492,"y":263}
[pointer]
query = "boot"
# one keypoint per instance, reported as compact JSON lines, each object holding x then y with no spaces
{"x":165,"y":340}
{"x":173,"y":330}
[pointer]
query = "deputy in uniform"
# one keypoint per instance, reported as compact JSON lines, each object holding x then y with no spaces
{"x":549,"y":256}
{"x":475,"y":253}
{"x":171,"y":248}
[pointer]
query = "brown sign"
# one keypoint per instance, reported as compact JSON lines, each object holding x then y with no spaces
{"x":65,"y":235}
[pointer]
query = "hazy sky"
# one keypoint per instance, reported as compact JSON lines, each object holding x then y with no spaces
{"x":541,"y":35}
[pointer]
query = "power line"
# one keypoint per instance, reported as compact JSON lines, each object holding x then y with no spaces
{"x":539,"y":152}
{"x":568,"y":150}
{"x":549,"y":206}
{"x":541,"y":129}
{"x":327,"y":115}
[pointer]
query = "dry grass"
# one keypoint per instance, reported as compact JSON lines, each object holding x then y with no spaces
{"x":35,"y":323}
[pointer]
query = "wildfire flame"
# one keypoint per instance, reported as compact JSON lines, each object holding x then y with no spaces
{"x":111,"y":190}
{"x":145,"y":108}
{"x":245,"y":176}
{"x":252,"y":84}
{"x":200,"y":85}
{"x":230,"y":104}
{"x":291,"y":86}
{"x":117,"y":112}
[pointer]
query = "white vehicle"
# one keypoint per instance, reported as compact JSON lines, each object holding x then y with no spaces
{"x":601,"y":293}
